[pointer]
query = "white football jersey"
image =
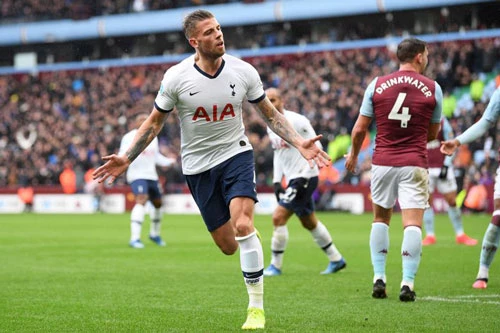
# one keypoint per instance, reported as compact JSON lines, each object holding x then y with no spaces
{"x":210,"y":109}
{"x":144,"y":166}
{"x":288,"y":161}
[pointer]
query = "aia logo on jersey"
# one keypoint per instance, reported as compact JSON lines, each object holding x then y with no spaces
{"x":201,"y":113}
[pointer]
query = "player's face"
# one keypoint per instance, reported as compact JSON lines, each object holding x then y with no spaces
{"x":208,"y":39}
{"x":275,"y":100}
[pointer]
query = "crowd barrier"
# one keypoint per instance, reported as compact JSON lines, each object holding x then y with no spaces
{"x":346,"y":198}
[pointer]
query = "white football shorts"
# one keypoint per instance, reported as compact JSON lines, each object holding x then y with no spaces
{"x":496,"y":192}
{"x":409,"y":185}
{"x":443,"y":186}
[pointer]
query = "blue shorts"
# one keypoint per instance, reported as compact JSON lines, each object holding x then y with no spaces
{"x":298,"y":196}
{"x":213,"y":189}
{"x":145,"y":186}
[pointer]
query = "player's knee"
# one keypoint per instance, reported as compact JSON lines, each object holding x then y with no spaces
{"x":141,"y":199}
{"x":243,"y":225}
{"x":278,"y":220}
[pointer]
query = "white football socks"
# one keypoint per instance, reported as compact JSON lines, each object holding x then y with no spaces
{"x":324,"y":240}
{"x":155,"y":228}
{"x":379,"y":247}
{"x":136,"y":220}
{"x":252,"y":266}
{"x":278,"y":245}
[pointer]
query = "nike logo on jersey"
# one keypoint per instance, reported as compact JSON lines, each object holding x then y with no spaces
{"x":193,"y":93}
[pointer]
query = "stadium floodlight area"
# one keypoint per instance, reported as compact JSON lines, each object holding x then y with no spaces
{"x":247,"y":53}
{"x":237,"y":14}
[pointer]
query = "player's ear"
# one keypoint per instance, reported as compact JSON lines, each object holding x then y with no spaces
{"x":193,"y":42}
{"x":419,"y":58}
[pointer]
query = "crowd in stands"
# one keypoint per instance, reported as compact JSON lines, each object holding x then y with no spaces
{"x":58,"y":120}
{"x":37,"y":10}
{"x":301,"y":32}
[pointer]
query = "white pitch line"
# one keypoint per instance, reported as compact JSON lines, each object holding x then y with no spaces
{"x":478,"y":296}
{"x":462,"y":299}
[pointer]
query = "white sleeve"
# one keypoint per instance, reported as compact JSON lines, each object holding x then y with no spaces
{"x":438,"y":94}
{"x":163,"y":161}
{"x":366,"y":108}
{"x":255,"y":91}
{"x":167,"y":97}
{"x":277,"y":169}
{"x":124,"y":144}
{"x":475,"y":131}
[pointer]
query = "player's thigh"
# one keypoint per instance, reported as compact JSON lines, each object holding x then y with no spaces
{"x":413,"y":190}
{"x":281,"y":216}
{"x":384,"y":186}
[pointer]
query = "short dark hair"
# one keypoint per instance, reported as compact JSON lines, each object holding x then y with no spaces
{"x":190,"y":21}
{"x":409,"y":48}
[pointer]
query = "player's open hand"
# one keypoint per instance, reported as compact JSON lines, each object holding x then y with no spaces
{"x":312,"y":153}
{"x":448,"y":147}
{"x":115,"y":165}
{"x":351,"y":162}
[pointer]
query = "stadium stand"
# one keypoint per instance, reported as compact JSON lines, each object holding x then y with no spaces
{"x":33,"y":10}
{"x":246,"y":26}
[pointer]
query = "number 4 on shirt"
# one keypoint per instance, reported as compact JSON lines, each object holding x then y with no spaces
{"x":404,"y":116}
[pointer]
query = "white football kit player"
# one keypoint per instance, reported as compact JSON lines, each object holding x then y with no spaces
{"x":210,"y":109}
{"x":144,"y":166}
{"x":288,"y":161}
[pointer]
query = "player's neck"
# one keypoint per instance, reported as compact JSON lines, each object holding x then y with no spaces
{"x":208,"y":65}
{"x":409,"y":67}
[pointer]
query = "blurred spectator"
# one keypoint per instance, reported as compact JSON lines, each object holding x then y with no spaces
{"x":68,"y":178}
{"x":337,"y":148}
{"x":324,"y":193}
{"x":26,"y":195}
{"x":449,"y":104}
{"x":476,"y":88}
{"x":327,"y":87}
{"x":476,"y":199}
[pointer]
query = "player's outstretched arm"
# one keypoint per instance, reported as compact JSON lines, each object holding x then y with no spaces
{"x":117,"y":164}
{"x":278,"y":123}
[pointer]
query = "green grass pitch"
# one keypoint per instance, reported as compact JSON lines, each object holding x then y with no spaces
{"x":76,"y":273}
